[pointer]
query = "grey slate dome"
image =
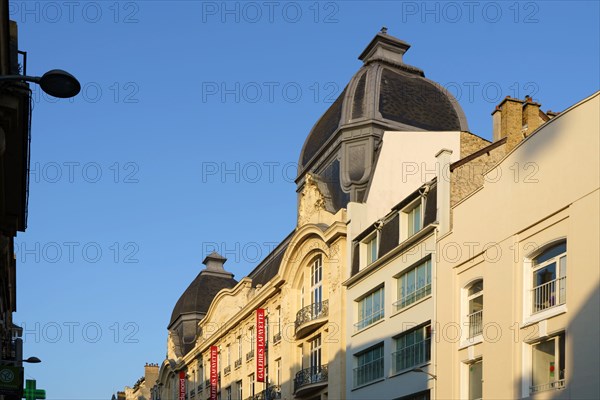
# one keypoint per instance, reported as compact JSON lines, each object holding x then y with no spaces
{"x":388,"y":93}
{"x":196,"y":299}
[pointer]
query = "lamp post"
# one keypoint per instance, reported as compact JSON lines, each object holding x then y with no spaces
{"x":56,"y":82}
{"x":31,"y":360}
{"x":424,"y":372}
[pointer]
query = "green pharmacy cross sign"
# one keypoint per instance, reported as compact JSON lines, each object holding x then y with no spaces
{"x":31,"y":393}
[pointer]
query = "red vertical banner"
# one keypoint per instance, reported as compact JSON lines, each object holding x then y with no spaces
{"x":260,"y":345}
{"x":181,"y":385}
{"x":214,"y":372}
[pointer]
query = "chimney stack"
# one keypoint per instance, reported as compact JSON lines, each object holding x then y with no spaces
{"x":150,"y":373}
{"x":514,"y":119}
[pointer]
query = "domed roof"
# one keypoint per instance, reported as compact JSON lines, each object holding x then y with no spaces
{"x":197,"y":297}
{"x":389,"y":93}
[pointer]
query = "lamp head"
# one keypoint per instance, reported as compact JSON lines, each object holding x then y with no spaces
{"x":59,"y":83}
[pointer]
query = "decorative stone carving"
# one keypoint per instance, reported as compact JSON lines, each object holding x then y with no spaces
{"x":311,"y":201}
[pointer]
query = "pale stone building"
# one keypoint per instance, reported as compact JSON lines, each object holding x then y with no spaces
{"x":513,"y":321}
{"x":298,"y":287}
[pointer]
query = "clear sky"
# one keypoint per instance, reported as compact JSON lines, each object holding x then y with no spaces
{"x":187,"y":132}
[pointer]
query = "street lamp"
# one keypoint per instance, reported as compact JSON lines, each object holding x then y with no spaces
{"x":31,"y":360}
{"x":57,"y":83}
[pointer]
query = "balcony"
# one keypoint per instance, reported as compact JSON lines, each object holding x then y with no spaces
{"x":207,"y":384}
{"x":411,"y":356}
{"x":310,"y":379}
{"x":475,"y":323}
{"x":413,"y":297}
{"x":272,"y":392}
{"x":277,"y":338}
{"x":250,"y":355}
{"x":227,"y":370}
{"x":559,"y":384}
{"x":549,"y":294}
{"x":368,"y":372}
{"x":370,"y":319}
{"x":309,"y":318}
{"x":238,"y":363}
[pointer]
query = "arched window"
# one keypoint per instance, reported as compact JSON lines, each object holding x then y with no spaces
{"x":549,"y":279}
{"x":475,"y":308}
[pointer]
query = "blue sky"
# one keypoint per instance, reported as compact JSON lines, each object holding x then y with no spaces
{"x":187,"y":132}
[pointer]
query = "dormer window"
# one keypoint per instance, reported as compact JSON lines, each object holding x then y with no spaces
{"x":415,"y":219}
{"x":372,"y":249}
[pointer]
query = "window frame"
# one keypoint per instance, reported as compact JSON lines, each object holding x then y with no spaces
{"x":405,"y":218}
{"x":529,"y":266}
{"x":474,"y":317}
{"x":426,"y":341}
{"x":369,"y":244}
{"x":356,"y":359}
{"x":559,"y":382}
{"x":400,"y":304}
{"x":375,"y":315}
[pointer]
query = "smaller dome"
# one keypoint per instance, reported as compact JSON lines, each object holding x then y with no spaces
{"x":197,"y":297}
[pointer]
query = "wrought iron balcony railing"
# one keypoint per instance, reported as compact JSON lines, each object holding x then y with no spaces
{"x":238,"y":363}
{"x":277,"y":338}
{"x":309,"y":376}
{"x":227,"y":370}
{"x":272,"y":392}
{"x":250,"y":355}
{"x":312,"y":312}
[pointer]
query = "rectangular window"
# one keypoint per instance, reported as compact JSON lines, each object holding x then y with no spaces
{"x":250,"y":354}
{"x":369,"y":365}
{"x":278,"y":372}
{"x":228,"y":393}
{"x":238,"y":361}
{"x":251,"y":384}
{"x":372,"y":250}
{"x":277,"y":335}
{"x":239,"y":388}
{"x":413,"y":348}
{"x":415,"y":219}
{"x":370,"y":309}
{"x":476,"y":380}
{"x":548,"y":364}
{"x":414,"y":284}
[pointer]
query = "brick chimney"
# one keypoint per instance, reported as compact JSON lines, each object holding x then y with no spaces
{"x":515,"y":119}
{"x":531,"y":116}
